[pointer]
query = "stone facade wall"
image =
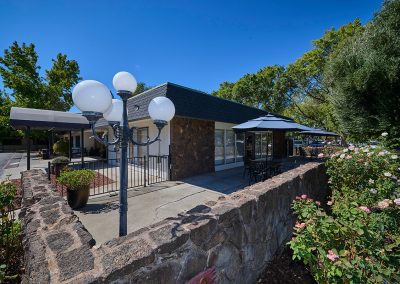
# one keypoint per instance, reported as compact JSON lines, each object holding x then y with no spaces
{"x":237,"y":235}
{"x":192,"y":147}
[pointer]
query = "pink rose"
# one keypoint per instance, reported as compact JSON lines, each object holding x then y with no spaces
{"x":365,"y":209}
{"x":318,"y":203}
{"x":300,"y":225}
{"x":304,"y":196}
{"x":331,"y":255}
{"x":384,"y":204}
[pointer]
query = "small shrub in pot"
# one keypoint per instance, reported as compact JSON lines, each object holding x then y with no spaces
{"x":78,"y":186}
{"x":59,"y":163}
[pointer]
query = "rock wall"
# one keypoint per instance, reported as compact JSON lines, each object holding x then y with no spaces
{"x":192,"y":147}
{"x":237,"y":235}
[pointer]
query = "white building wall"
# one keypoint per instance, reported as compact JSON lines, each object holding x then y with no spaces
{"x":158,"y":148}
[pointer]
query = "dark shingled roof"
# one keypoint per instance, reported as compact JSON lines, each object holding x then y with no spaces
{"x":194,"y":104}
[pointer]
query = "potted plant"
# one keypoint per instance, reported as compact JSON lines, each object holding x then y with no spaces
{"x":78,"y":186}
{"x":59,"y":163}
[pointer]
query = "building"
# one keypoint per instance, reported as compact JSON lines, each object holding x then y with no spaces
{"x":199,"y":139}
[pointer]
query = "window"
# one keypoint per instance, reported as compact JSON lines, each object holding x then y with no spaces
{"x":230,"y":147}
{"x":219,"y":147}
{"x":77,"y":141}
{"x":239,"y":147}
{"x":263,"y":142}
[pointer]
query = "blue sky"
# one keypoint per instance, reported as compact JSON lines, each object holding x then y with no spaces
{"x":198,"y":44}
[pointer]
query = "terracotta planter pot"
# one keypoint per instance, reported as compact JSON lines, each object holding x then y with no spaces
{"x":78,"y":198}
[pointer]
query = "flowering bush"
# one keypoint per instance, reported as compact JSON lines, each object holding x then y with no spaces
{"x":10,"y":243}
{"x":357,"y":238}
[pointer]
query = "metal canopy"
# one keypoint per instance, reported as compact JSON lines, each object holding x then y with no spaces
{"x":20,"y":118}
{"x":319,"y":132}
{"x":270,"y":122}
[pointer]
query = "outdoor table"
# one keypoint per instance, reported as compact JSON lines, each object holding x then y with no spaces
{"x":262,"y":168}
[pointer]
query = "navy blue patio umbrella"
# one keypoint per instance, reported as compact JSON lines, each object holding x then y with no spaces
{"x":269,"y":123}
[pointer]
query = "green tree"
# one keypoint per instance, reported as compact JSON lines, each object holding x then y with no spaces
{"x":21,"y":77}
{"x":263,"y":89}
{"x":19,"y":70}
{"x":307,"y":90}
{"x":141,"y":87}
{"x":365,"y":77}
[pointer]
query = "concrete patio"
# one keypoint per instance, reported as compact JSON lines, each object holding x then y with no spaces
{"x":149,"y":205}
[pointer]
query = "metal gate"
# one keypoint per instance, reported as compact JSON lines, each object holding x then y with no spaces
{"x":142,"y":171}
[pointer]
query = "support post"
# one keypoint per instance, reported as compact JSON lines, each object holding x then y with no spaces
{"x":123,"y":195}
{"x":70,"y":145}
{"x":52,"y":143}
{"x":82,"y":149}
{"x":49,"y":170}
{"x":144,"y":170}
{"x":28,"y":147}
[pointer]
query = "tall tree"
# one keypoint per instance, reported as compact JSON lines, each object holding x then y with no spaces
{"x":263,"y":89}
{"x":307,"y":90}
{"x":24,"y":86}
{"x":20,"y":73}
{"x":365,"y":77}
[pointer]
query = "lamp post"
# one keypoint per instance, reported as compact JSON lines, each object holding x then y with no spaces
{"x":95,"y":101}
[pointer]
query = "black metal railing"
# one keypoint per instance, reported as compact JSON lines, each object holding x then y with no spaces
{"x":142,"y":171}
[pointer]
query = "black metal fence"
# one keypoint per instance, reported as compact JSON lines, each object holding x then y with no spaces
{"x":142,"y":171}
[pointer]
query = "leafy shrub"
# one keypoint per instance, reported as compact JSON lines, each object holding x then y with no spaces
{"x":61,"y":147}
{"x":60,"y":160}
{"x":78,"y":179}
{"x":10,"y":243}
{"x":358,"y":239}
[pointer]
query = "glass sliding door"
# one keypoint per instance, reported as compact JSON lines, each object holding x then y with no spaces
{"x":219,"y":147}
{"x":229,"y":147}
{"x":258,"y":146}
{"x":239,"y":147}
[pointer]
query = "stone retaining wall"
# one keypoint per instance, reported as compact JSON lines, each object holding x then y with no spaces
{"x":237,"y":235}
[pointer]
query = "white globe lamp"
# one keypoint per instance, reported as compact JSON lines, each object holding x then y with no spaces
{"x":124,"y":81}
{"x":91,"y":96}
{"x":161,"y":109}
{"x":114,"y":113}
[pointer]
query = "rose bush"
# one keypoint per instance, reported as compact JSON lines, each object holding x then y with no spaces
{"x":356,"y":237}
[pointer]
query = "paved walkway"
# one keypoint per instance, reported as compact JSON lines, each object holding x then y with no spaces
{"x":17,"y":163}
{"x":152,"y":204}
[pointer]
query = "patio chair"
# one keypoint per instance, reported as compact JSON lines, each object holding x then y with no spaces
{"x":258,"y":172}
